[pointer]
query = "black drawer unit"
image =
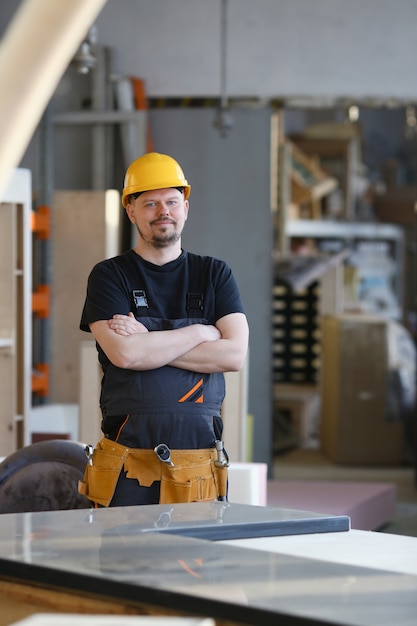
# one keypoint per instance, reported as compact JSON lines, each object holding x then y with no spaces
{"x":295,"y":334}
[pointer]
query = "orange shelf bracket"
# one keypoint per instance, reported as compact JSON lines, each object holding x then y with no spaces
{"x":41,"y":222}
{"x":41,"y":301}
{"x":40,"y":380}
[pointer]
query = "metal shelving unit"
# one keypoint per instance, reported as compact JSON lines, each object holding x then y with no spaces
{"x":333,"y":235}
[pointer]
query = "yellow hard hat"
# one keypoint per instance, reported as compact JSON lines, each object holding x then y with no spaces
{"x":153,"y":171}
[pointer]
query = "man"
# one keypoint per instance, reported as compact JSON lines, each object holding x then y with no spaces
{"x":167,"y":324}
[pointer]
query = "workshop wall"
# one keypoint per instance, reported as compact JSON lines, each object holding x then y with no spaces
{"x":304,"y":48}
{"x":230,"y":217}
{"x":299,"y":48}
{"x":321,"y":49}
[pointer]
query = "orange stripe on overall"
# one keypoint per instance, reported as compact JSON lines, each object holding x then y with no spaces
{"x":192,"y":391}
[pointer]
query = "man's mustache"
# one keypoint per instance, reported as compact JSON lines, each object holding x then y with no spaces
{"x":164,"y":219}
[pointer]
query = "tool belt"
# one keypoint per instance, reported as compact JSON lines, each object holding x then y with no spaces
{"x":192,"y":475}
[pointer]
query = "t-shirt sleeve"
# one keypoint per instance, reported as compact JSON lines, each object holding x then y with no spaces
{"x":228,"y":298}
{"x":106,"y":296}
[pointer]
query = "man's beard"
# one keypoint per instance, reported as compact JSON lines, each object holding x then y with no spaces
{"x":161,"y":241}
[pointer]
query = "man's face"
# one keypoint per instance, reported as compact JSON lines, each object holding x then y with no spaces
{"x":159,"y":216}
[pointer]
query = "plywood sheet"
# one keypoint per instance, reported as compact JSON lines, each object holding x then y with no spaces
{"x":80,"y":238}
{"x":7,"y":329}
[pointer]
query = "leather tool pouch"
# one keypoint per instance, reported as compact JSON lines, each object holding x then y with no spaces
{"x":193,"y":477}
{"x":190,"y":479}
{"x":101,"y":477}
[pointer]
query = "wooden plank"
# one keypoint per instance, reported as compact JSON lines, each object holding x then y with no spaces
{"x":90,"y":414}
{"x":81,"y":233}
{"x":19,"y":600}
{"x":235,"y":414}
{"x":7,"y":329}
{"x":309,"y":182}
{"x":7,"y":270}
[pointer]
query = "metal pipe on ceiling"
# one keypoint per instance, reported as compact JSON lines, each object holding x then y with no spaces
{"x":223,"y":120}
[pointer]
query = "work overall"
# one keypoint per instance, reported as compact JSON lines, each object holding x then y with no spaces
{"x":176,"y":409}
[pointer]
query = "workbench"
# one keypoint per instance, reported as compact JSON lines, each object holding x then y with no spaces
{"x":239,"y":564}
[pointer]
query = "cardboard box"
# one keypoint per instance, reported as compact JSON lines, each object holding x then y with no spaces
{"x":397,"y":206}
{"x":356,"y":426}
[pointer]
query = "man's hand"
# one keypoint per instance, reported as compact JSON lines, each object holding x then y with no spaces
{"x":126,"y":325}
{"x":226,"y":355}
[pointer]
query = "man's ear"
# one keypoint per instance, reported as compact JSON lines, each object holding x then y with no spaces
{"x":130,"y":214}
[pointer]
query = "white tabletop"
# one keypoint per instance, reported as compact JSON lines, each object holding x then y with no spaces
{"x":383,"y":551}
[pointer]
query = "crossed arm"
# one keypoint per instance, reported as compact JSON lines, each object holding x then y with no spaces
{"x":198,"y":348}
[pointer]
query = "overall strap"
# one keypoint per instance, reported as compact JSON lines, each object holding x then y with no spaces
{"x":197,"y":280}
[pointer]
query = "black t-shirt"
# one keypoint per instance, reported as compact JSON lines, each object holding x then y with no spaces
{"x":190,"y":289}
